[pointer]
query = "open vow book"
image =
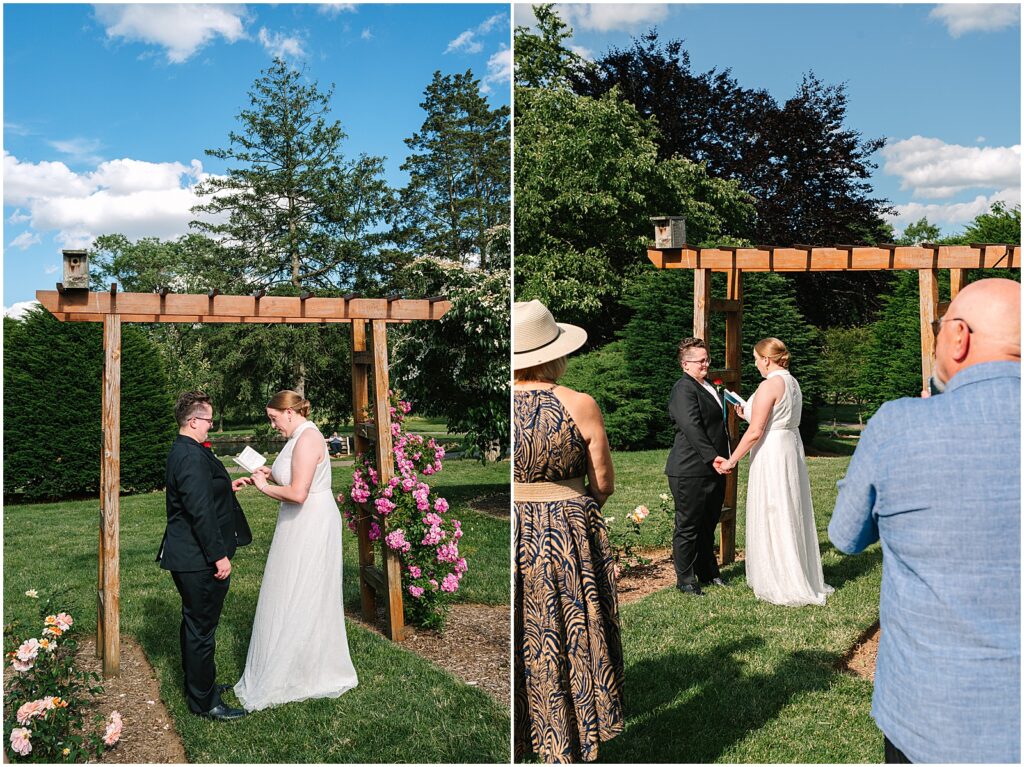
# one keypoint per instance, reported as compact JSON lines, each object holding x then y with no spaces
{"x":249,"y":459}
{"x":735,"y":399}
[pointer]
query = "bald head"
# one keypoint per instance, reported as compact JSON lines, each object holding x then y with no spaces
{"x":991,"y":309}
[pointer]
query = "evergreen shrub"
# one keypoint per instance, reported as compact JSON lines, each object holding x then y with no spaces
{"x":52,"y":399}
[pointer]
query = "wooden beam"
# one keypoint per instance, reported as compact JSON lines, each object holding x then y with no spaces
{"x":111,"y":473}
{"x":838,"y":259}
{"x":386,"y":470}
{"x":702,"y":304}
{"x":360,"y":400}
{"x":174,"y":307}
{"x":957,"y":281}
{"x":726,"y":375}
{"x":723,"y":305}
{"x":733,"y":360}
{"x":928,"y":283}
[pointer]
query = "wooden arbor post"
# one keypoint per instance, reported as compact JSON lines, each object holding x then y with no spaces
{"x":366,"y":364}
{"x":925,"y":259}
{"x":82,"y":305}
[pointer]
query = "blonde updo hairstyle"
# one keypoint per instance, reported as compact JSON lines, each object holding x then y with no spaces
{"x":773,"y":349}
{"x":287,"y":398}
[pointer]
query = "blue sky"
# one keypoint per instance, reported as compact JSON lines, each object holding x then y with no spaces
{"x":108,"y":109}
{"x":942,"y":83}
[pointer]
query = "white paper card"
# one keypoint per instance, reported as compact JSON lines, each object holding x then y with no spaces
{"x":249,"y":459}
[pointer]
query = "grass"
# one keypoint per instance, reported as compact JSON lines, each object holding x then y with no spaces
{"x":727,"y":678}
{"x":405,"y":708}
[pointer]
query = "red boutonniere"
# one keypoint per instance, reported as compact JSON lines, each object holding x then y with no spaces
{"x":207,"y":444}
{"x":717,"y":382}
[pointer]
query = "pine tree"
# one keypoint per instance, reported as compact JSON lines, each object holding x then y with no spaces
{"x":458,"y":191}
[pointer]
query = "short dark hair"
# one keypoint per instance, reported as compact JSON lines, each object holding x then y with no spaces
{"x":188,"y":405}
{"x":690,"y":343}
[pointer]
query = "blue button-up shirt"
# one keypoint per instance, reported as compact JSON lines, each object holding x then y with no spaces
{"x":937,"y":480}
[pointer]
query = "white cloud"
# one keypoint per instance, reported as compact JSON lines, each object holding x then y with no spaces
{"x":467,"y":41}
{"x":335,"y":9}
{"x":180,"y":29}
{"x":51,"y":269}
{"x":981,"y":139}
{"x":523,"y":15}
{"x":19,"y":217}
{"x":951,"y":215}
{"x":17,"y":311}
{"x":82,"y":150}
{"x":976,"y":17}
{"x":583,"y":53}
{"x":133,"y":197}
{"x":499,"y":69}
{"x":612,"y":17}
{"x":24,"y":240}
{"x":366,"y":34}
{"x":280,"y":45}
{"x":936,"y":170}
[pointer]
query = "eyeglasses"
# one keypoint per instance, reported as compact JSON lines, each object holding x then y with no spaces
{"x":937,"y":324}
{"x":201,"y":418}
{"x":701,"y":362}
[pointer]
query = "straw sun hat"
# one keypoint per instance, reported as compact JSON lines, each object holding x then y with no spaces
{"x":538,"y":338}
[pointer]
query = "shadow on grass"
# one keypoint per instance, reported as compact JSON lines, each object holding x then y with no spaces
{"x":461,"y":495}
{"x":691,"y":708}
{"x":849,"y":567}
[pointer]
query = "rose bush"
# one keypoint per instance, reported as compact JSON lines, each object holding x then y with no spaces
{"x":45,"y":698}
{"x":411,"y":520}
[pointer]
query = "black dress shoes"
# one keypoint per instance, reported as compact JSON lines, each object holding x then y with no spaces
{"x":692,"y":589}
{"x":224,"y":713}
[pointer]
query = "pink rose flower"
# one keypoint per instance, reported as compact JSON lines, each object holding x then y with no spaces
{"x":448,"y":552}
{"x":113,"y":731}
{"x":30,"y":710}
{"x":64,"y":621}
{"x":461,"y":566}
{"x":450,"y":584}
{"x":28,"y":650}
{"x":20,"y":741}
{"x":374,"y":534}
{"x":433,"y":584}
{"x":441,"y":505}
{"x":414,"y":571}
{"x":416,"y":591}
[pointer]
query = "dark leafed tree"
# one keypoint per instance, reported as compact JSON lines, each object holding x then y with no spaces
{"x":458,"y":191}
{"x":291,"y":210}
{"x":292,"y":207}
{"x":808,"y":171}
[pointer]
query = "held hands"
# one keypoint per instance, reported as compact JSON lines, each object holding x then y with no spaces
{"x":259,"y":479}
{"x":723,"y":465}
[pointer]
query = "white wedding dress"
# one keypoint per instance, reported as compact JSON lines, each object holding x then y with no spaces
{"x":782,"y":559}
{"x":298,"y":648}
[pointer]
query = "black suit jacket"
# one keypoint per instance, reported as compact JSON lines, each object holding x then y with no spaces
{"x":700,"y":434}
{"x":204,"y":520}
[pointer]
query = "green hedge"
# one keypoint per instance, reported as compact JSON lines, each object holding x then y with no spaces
{"x":52,"y":398}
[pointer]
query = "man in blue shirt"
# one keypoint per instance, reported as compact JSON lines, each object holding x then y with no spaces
{"x":937,"y":481}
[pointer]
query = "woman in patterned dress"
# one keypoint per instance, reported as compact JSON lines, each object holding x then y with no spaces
{"x":568,"y":652}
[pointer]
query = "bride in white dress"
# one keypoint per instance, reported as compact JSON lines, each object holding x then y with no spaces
{"x":298,"y":648}
{"x":782,"y":558}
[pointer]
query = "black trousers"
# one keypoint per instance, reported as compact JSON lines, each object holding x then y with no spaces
{"x":698,"y":502}
{"x":202,"y":598}
{"x":893,"y":755}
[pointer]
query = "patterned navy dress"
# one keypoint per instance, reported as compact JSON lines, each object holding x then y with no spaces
{"x":568,"y":651}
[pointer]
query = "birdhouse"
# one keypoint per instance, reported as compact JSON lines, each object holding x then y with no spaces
{"x":76,"y":269}
{"x":669,"y":231}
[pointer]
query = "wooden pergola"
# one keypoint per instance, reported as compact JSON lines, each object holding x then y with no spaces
{"x":927,"y":259}
{"x":369,"y":318}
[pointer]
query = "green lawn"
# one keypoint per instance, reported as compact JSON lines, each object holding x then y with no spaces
{"x":405,"y":708}
{"x":726,"y":678}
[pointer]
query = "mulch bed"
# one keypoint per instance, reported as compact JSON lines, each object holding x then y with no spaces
{"x":148,"y":735}
{"x":498,"y":505}
{"x":474,"y":646}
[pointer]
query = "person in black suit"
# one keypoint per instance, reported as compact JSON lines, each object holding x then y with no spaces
{"x":204,"y":525}
{"x":694,"y":469}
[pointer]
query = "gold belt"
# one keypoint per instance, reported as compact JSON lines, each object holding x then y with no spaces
{"x":562,"y":490}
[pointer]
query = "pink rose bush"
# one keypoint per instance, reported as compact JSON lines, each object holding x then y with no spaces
{"x":411,"y":520}
{"x":45,"y":698}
